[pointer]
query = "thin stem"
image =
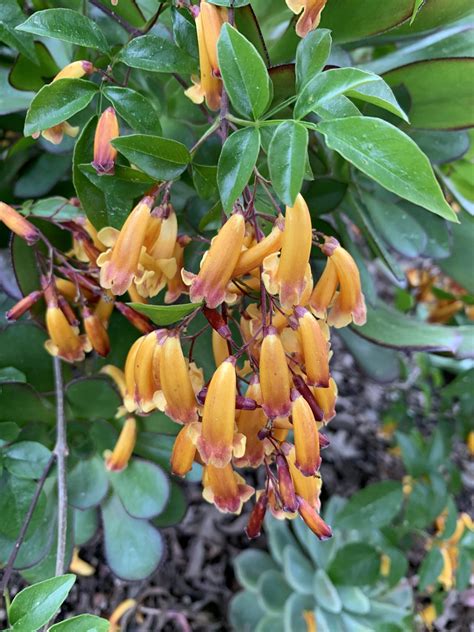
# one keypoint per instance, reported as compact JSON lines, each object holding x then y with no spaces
{"x":205,"y":136}
{"x":123,"y":23}
{"x":24,"y":527}
{"x":61,"y":452}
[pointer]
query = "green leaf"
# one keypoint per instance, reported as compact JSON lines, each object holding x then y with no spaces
{"x":380,"y":94}
{"x":87,"y":483}
{"x":330,"y":84}
{"x":175,"y":509}
{"x":325,"y":592}
{"x":134,"y":108}
{"x":295,"y":607}
{"x":205,"y":182}
{"x":161,"y":158}
{"x":26,"y":459}
{"x":430,"y":568}
{"x":81,"y":623}
{"x":320,"y":552}
{"x":245,"y":611}
{"x":355,"y":564}
{"x":455,"y":265}
{"x":133,"y":548}
{"x":236,"y":162}
{"x":156,"y":53}
{"x":381,"y":365}
{"x":389,"y":328}
{"x":10,"y":16}
{"x":250,"y":565}
{"x":434,"y":14}
{"x":372,"y":507}
{"x":279,"y":536}
{"x":86,"y":524}
{"x":66,"y":25}
{"x":9,"y":431}
{"x":244,"y":73}
{"x":353,"y":599}
{"x":184,"y":31}
{"x":19,"y":402}
{"x":270,"y":623}
{"x":441,"y":146}
{"x":57,"y":102}
{"x":57,"y":207}
{"x":164,"y":314}
{"x":142,"y":487}
{"x":311,"y":55}
{"x":35,"y":605}
{"x":287,"y":157}
{"x":22,"y":346}
{"x":431,"y":85}
{"x":93,"y":398}
{"x":390,"y":157}
{"x":298,"y":570}
{"x":272,"y":591}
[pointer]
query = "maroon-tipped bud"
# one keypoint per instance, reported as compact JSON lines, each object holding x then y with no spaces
{"x":254,"y":525}
{"x":245,"y":403}
{"x":140,"y":322}
{"x":313,"y":520}
{"x":285,"y":485}
{"x":302,"y":387}
{"x":104,"y":152}
{"x":18,"y":224}
{"x":67,"y":311}
{"x":96,"y":332}
{"x":23,"y":305}
{"x":217,"y":322}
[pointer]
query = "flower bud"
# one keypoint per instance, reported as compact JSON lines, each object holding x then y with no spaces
{"x":184,"y":451}
{"x":254,"y":525}
{"x":147,"y":372}
{"x":307,"y":487}
{"x":274,"y":376}
{"x":65,"y":341}
{"x":313,"y":520}
{"x":96,"y":333}
{"x":139,"y":321}
{"x":308,"y":458}
{"x":18,"y":224}
{"x":285,"y":485}
{"x":254,"y":256}
{"x":104,"y":152}
{"x":220,"y":348}
{"x":25,"y":304}
{"x":117,"y":376}
{"x":117,"y":460}
{"x":315,"y":348}
{"x":75,"y":70}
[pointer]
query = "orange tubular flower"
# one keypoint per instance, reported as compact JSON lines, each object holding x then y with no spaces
{"x":220,"y":348}
{"x":249,"y":423}
{"x":146,"y":372}
{"x":286,"y":486}
{"x":26,"y":303}
{"x":225,"y":488}
{"x":118,"y":377}
{"x":218,"y":265}
{"x":105,"y":307}
{"x":184,"y":451}
{"x":177,"y":398}
{"x":65,"y":341}
{"x":307,"y":487}
{"x":313,"y":520}
{"x":326,"y":399}
{"x":96,"y":332}
{"x":18,"y":224}
{"x":315,"y":348}
{"x":130,"y":397}
{"x":274,"y":376}
{"x":118,"y":265}
{"x":287,"y":274}
{"x":75,"y":70}
{"x":310,"y":16}
{"x":215,"y":438}
{"x":104,"y":152}
{"x":254,"y":256}
{"x":117,"y":460}
{"x":308,"y":458}
{"x":349,"y":304}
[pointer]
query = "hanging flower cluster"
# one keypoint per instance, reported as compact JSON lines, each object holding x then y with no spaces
{"x":271,"y":393}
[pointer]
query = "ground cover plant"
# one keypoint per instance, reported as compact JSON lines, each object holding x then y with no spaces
{"x":202,"y":206}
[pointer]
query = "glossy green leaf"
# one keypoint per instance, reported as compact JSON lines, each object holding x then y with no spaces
{"x":81,"y":623}
{"x":431,"y":85}
{"x":35,"y":605}
{"x":325,"y":592}
{"x":129,"y":10}
{"x":380,"y":94}
{"x":160,"y":158}
{"x":247,"y":23}
{"x":57,"y":102}
{"x":10,"y":16}
{"x":26,"y":459}
{"x":184,"y":31}
{"x":250,"y":565}
{"x":287,"y":157}
{"x":244,"y":73}
{"x":393,"y":329}
{"x":380,"y":364}
{"x":142,"y":487}
{"x":87,"y":483}
{"x":236,"y":162}
{"x":372,"y":507}
{"x":9,"y":431}
{"x":27,"y":76}
{"x":390,"y":157}
{"x":157,"y":53}
{"x":66,"y":25}
{"x":15,"y":498}
{"x":272,"y":591}
{"x":205,"y":181}
{"x":298,"y":570}
{"x":164,"y":314}
{"x":22,"y":346}
{"x":19,"y":402}
{"x":134,"y":108}
{"x":56,"y":207}
{"x":93,"y":398}
{"x":355,"y":564}
{"x":434,"y":14}
{"x":441,"y":146}
{"x":133,"y":548}
{"x":311,"y":55}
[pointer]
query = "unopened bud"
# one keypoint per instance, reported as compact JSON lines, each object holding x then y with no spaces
{"x":18,"y":224}
{"x":23,"y":305}
{"x":254,"y":525}
{"x":137,"y":320}
{"x":285,"y":485}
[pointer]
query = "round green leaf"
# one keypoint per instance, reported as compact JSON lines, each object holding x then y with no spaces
{"x":390,"y":157}
{"x":9,"y":431}
{"x":15,"y":498}
{"x":66,"y":25}
{"x":81,"y":623}
{"x":160,"y":158}
{"x":57,"y":102}
{"x":86,"y":524}
{"x":35,"y":605}
{"x":298,"y":570}
{"x":236,"y":162}
{"x":273,"y":591}
{"x":295,"y":607}
{"x":133,"y":547}
{"x":372,"y":507}
{"x":244,"y":611}
{"x":142,"y":487}
{"x":175,"y":509}
{"x":244,"y":73}
{"x":355,"y":564}
{"x":325,"y":592}
{"x":21,"y":403}
{"x":270,"y":623}
{"x":26,"y":459}
{"x":87,"y":483}
{"x":156,"y":53}
{"x":250,"y":565}
{"x":93,"y":398}
{"x":279,"y":536}
{"x":353,"y":599}
{"x":134,"y":108}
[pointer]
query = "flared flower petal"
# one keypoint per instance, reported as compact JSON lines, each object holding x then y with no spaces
{"x":118,"y":459}
{"x":310,"y":16}
{"x":274,"y":376}
{"x":326,"y":400}
{"x":217,"y":266}
{"x":225,"y":488}
{"x":209,"y":86}
{"x":65,"y":340}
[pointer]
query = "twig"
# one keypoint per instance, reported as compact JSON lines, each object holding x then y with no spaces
{"x":61,"y":452}
{"x":24,"y":527}
{"x":123,"y":23}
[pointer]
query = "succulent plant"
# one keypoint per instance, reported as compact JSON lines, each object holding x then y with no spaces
{"x":345,"y":584}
